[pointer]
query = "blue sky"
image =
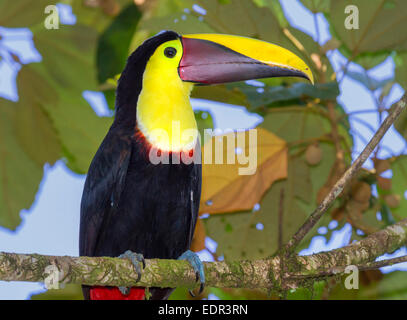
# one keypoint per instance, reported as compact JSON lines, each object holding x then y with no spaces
{"x":51,"y":225}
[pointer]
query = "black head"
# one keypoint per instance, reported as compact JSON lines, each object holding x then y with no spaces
{"x":131,"y":79}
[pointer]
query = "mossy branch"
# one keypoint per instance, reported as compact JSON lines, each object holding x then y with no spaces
{"x":265,"y":273}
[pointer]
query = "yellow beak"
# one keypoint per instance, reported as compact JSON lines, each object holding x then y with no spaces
{"x":219,"y":58}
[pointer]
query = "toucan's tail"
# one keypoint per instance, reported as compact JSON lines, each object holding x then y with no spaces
{"x":113,"y":293}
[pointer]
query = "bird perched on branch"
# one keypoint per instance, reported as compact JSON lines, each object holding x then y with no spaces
{"x":134,"y":206}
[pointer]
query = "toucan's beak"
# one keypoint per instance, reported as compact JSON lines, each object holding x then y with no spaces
{"x":218,"y":58}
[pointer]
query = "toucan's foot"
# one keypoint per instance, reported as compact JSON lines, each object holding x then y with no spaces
{"x":197,"y":264}
{"x":138,"y":262}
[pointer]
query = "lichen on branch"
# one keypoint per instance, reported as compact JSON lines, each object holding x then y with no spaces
{"x":263,"y":274}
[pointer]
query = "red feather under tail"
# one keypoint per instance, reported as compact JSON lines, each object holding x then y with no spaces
{"x":113,"y":293}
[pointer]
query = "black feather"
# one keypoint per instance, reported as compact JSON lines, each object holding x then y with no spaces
{"x":129,"y":203}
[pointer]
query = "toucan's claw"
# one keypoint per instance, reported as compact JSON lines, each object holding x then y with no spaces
{"x":124,"y":290}
{"x":138,"y":262}
{"x":197,"y":264}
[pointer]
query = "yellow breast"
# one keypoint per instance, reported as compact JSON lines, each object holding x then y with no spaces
{"x":164,"y":112}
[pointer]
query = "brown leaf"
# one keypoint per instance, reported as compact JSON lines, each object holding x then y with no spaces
{"x":198,"y":241}
{"x":338,"y":213}
{"x":361,"y":191}
{"x":384,"y":183}
{"x":392,"y":200}
{"x":370,"y":276}
{"x":355,"y":210}
{"x":224,"y":190}
{"x":381,"y":165}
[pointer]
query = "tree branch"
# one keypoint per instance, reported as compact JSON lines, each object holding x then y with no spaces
{"x":347,"y":176}
{"x":264,"y":273}
{"x":337,"y":270}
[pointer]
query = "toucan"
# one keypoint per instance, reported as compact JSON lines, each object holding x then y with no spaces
{"x":133,"y":206}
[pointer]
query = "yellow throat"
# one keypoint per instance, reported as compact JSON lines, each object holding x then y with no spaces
{"x":164,"y":112}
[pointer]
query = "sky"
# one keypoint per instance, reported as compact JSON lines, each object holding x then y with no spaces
{"x":51,"y":225}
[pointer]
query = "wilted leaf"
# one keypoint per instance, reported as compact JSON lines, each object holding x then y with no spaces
{"x":381,"y":165}
{"x":254,"y":234}
{"x":225,"y":184}
{"x":198,"y":242}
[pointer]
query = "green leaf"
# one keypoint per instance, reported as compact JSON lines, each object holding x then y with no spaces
{"x":317,"y":5}
{"x":377,"y":24}
{"x":399,"y":186}
{"x":33,"y":127}
{"x":22,"y":13}
{"x":182,"y":22}
{"x":28,"y":141}
{"x":69,"y":292}
{"x":220,"y":93}
{"x":253,"y":21}
{"x":97,"y":16}
{"x":113,"y":44}
{"x":401,"y":124}
{"x":204,"y":121}
{"x":369,"y":60}
{"x":68,"y":66}
{"x":391,"y":287}
{"x":369,"y":82}
{"x":313,"y":293}
{"x":276,"y":8}
{"x":401,"y":69}
{"x":20,"y":175}
{"x":299,"y":90}
{"x":239,"y":294}
{"x":69,"y":56}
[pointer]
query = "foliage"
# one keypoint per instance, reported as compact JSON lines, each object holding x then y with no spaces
{"x":305,"y":142}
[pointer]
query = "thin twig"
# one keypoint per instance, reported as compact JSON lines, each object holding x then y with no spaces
{"x":341,"y":269}
{"x":347,"y":176}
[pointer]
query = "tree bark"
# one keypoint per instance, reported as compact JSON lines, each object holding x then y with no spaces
{"x":264,"y":274}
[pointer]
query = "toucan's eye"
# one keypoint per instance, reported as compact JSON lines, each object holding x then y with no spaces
{"x":170,"y":52}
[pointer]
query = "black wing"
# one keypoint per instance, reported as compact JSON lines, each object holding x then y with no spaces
{"x":103,"y":187}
